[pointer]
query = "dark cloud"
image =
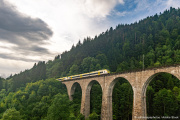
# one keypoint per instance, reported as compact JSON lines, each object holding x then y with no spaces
{"x":14,"y":57}
{"x":32,"y":50}
{"x":28,"y":34}
{"x":21,"y":25}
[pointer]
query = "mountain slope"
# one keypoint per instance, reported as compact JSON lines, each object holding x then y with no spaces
{"x":120,"y":49}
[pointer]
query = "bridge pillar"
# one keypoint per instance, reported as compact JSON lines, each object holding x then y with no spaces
{"x":138,"y":113}
{"x":85,"y":103}
{"x":68,"y":86}
{"x":106,"y":109}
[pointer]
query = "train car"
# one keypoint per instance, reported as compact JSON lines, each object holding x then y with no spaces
{"x":62,"y":79}
{"x":94,"y":73}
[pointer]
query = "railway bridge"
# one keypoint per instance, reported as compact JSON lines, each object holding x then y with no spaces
{"x":139,"y":81}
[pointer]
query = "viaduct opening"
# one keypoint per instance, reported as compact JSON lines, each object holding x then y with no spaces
{"x":139,"y":81}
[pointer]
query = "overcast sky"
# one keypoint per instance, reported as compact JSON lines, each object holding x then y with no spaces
{"x":38,"y":30}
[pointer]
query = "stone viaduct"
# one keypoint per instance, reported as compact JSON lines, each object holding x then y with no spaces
{"x":139,"y":81}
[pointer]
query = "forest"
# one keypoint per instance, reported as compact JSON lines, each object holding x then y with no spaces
{"x":35,"y":94}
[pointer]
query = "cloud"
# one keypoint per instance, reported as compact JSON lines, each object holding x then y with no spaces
{"x":13,"y":21}
{"x":26,"y":33}
{"x":14,"y":57}
{"x":121,"y":1}
{"x":121,"y":13}
{"x":174,"y":3}
{"x":70,"y":20}
{"x":9,"y":67}
{"x":99,"y":8}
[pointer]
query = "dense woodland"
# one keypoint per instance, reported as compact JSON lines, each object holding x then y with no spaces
{"x":35,"y":94}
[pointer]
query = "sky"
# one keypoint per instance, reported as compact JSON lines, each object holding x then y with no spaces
{"x":38,"y":30}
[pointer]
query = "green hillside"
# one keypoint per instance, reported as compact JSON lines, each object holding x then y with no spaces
{"x":122,"y":48}
{"x":35,"y":94}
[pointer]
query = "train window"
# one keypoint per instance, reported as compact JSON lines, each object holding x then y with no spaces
{"x":85,"y":75}
{"x":75,"y":77}
{"x":94,"y":73}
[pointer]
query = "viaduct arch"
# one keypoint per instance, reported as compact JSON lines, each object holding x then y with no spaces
{"x":139,"y":81}
{"x":73,"y":88}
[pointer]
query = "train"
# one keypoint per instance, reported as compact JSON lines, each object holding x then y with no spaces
{"x":93,"y":73}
